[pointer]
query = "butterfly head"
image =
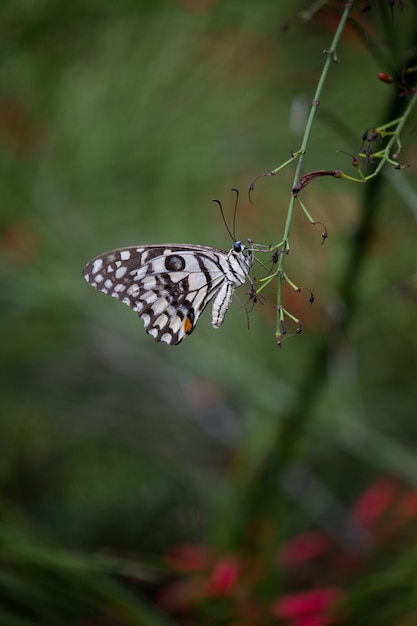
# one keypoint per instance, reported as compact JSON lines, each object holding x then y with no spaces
{"x":243,"y":252}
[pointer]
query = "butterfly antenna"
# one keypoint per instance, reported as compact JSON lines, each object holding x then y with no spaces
{"x":235,"y":212}
{"x":224,"y":219}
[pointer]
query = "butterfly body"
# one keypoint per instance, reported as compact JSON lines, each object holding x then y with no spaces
{"x":170,"y":285}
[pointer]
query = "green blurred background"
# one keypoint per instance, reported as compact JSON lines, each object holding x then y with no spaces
{"x":119,"y":123}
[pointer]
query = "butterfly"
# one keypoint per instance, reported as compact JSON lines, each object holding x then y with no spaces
{"x":170,"y":285}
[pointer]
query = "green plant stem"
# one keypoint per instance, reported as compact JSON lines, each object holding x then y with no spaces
{"x":330,"y":58}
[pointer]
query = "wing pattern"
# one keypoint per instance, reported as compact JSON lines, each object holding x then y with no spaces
{"x":170,"y":285}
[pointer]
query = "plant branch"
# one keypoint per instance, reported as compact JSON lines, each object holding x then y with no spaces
{"x":330,"y":58}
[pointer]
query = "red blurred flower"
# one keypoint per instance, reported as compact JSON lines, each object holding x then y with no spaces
{"x":385,"y":78}
{"x":305,"y":547}
{"x":307,"y":605}
{"x":190,"y":558}
{"x":205,"y":576}
{"x":372,"y":504}
{"x":223,"y":576}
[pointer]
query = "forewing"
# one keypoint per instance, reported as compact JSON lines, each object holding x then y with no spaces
{"x":169,"y":286}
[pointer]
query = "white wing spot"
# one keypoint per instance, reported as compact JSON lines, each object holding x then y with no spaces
{"x":126,"y":301}
{"x":176,"y":324}
{"x":161,"y":321}
{"x":97,"y":265}
{"x":167,"y":338}
{"x":150,"y":297}
{"x":140,"y":273}
{"x":110,"y":269}
{"x":121,"y":271}
{"x":138,"y":307}
{"x":99,"y":278}
{"x":149,"y":282}
{"x":153,"y":332}
{"x":125,"y":255}
{"x":133,"y":290}
{"x":108,"y":284}
{"x":119,"y":287}
{"x":160,"y":306}
{"x":146,"y":319}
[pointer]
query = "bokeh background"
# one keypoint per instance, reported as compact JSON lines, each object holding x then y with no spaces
{"x":223,"y":481}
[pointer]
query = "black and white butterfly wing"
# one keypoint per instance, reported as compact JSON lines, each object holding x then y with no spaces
{"x":169,"y":285}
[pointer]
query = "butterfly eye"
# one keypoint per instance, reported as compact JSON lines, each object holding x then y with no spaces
{"x":238,"y":247}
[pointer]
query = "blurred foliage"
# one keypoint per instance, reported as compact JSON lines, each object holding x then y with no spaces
{"x":119,"y":122}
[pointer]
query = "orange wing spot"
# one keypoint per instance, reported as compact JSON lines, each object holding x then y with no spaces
{"x":188,"y":326}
